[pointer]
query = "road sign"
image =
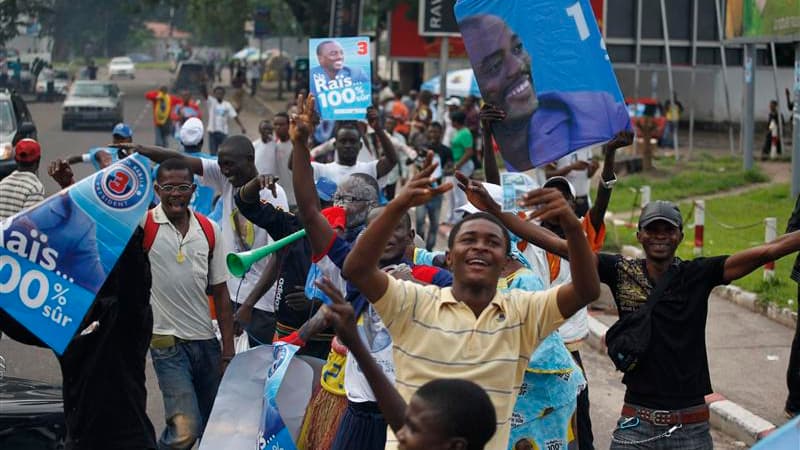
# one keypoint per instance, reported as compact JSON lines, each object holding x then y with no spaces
{"x":436,"y":18}
{"x":261,"y":22}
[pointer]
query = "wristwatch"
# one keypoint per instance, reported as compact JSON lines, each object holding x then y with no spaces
{"x":610,"y":183}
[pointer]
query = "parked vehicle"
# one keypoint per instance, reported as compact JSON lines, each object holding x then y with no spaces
{"x":14,"y":118}
{"x":92,"y":103}
{"x":121,"y":66}
{"x":60,"y":84}
{"x":31,"y":415}
{"x":191,"y":76}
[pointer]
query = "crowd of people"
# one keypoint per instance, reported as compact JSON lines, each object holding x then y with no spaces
{"x":461,"y":333}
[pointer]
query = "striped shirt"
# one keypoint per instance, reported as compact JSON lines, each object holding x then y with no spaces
{"x":436,"y":336}
{"x":18,"y":191}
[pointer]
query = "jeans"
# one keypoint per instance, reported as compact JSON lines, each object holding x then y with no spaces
{"x":693,"y":436}
{"x":431,"y":210}
{"x":215,"y":138}
{"x":162,"y":134}
{"x":188,"y":375}
{"x":793,"y":372}
{"x":456,"y":196}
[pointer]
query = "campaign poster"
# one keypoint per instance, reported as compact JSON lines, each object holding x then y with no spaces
{"x":341,"y":77}
{"x":272,"y":433}
{"x":55,"y":256}
{"x":544,"y":63}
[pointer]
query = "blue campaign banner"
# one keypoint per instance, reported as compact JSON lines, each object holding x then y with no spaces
{"x":55,"y":256}
{"x":342,"y":79}
{"x":272,"y":431}
{"x":545,"y":64}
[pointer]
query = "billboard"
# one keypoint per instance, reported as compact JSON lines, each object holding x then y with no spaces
{"x":405,"y":43}
{"x":436,"y":18}
{"x":762,"y":20}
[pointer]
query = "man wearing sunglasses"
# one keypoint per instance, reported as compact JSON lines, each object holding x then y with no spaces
{"x":185,"y":261}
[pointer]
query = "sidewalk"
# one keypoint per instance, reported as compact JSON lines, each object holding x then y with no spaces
{"x":747,"y":355}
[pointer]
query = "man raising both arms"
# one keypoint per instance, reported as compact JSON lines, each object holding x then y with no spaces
{"x":471,"y":330}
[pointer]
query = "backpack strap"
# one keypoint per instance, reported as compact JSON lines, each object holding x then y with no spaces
{"x":150,"y":231}
{"x":208,"y":230}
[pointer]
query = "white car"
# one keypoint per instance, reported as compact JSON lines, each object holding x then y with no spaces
{"x":60,"y":84}
{"x":121,"y":66}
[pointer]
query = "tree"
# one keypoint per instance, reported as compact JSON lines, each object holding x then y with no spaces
{"x":15,"y":14}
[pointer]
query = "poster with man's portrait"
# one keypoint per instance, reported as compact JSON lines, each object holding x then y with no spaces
{"x":340,"y":77}
{"x":544,"y":63}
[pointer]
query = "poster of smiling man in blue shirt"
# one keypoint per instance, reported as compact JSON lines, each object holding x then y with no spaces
{"x":544,"y":64}
{"x":343,"y":91}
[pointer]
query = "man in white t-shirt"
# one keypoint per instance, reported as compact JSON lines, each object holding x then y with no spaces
{"x":347,"y":146}
{"x":366,"y":153}
{"x":220,"y":111}
{"x":254,"y":294}
{"x":578,"y":168}
{"x":274,"y":154}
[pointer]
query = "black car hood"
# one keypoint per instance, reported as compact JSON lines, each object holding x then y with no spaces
{"x":23,"y":397}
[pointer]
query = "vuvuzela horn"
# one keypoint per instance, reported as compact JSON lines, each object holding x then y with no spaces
{"x":239,"y":263}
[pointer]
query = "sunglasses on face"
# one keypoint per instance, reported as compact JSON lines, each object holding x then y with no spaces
{"x":180,"y":188}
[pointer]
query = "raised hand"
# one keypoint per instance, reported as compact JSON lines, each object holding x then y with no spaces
{"x":61,"y":171}
{"x":373,"y":119}
{"x":621,"y":139}
{"x":477,"y":194}
{"x":490,"y":113}
{"x":419,"y":191}
{"x":269,"y":182}
{"x":549,"y":204}
{"x":302,"y":124}
{"x":339,"y":313}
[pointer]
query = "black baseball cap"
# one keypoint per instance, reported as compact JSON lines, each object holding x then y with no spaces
{"x":661,"y":210}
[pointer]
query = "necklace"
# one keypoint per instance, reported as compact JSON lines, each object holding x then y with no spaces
{"x":180,"y":257}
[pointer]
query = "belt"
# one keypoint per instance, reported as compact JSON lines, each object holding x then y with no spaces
{"x":695,"y":414}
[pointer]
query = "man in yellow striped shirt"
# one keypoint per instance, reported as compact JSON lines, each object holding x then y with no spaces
{"x":471,"y":330}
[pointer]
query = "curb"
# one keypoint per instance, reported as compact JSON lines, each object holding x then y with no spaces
{"x":749,"y":300}
{"x":726,"y":416}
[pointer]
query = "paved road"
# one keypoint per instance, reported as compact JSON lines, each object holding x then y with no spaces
{"x":606,"y":391}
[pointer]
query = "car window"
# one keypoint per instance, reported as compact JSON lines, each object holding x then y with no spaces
{"x":92,"y":90}
{"x":7,"y":123}
{"x":121,"y":61}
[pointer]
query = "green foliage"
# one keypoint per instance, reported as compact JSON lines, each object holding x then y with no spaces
{"x":16,"y":13}
{"x":732,"y":224}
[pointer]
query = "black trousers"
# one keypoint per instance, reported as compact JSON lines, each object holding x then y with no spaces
{"x":585,"y":436}
{"x":793,"y":372}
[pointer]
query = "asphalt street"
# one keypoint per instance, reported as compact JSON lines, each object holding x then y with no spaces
{"x":606,"y":391}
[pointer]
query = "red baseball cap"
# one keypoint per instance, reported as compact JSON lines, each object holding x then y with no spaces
{"x":27,"y":151}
